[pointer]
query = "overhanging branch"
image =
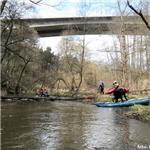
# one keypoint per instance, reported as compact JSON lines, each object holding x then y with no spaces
{"x":140,"y":14}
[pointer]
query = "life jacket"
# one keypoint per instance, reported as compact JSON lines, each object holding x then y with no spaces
{"x":126,"y":90}
{"x":112,"y":90}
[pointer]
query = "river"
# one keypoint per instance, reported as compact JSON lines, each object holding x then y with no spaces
{"x":64,"y":125}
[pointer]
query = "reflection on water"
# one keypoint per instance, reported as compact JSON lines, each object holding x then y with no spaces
{"x":70,"y":126}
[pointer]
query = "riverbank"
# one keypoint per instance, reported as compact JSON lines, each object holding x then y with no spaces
{"x":139,"y":112}
{"x":48,"y":98}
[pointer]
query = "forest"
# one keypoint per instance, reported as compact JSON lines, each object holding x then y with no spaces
{"x":25,"y":66}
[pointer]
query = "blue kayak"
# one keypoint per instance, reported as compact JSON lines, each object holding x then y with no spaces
{"x":131,"y":102}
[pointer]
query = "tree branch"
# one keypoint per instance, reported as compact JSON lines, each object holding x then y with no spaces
{"x":140,"y":14}
{"x":35,"y":2}
{"x":15,"y":53}
{"x":42,"y":3}
{"x":3,"y":3}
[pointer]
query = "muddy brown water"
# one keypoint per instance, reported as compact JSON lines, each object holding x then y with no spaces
{"x":61,"y":125}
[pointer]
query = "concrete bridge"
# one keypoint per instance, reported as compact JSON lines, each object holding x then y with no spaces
{"x":108,"y":25}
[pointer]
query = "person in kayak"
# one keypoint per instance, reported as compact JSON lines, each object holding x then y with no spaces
{"x":101,"y":87}
{"x":119,"y":93}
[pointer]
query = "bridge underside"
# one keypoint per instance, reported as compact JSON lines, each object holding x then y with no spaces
{"x":104,"y":29}
{"x":90,"y":25}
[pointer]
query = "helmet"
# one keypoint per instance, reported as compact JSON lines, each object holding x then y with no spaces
{"x":115,"y":82}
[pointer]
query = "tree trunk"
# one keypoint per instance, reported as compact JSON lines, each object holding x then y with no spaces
{"x":82,"y":65}
{"x":124,"y":53}
{"x":20,"y":77}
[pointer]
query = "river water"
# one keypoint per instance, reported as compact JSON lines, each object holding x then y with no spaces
{"x":62,"y":125}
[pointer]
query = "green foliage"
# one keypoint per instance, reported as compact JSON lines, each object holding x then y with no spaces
{"x":24,"y":65}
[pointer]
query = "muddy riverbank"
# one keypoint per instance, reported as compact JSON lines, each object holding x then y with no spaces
{"x":140,"y":112}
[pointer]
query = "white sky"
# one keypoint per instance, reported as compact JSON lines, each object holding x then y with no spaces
{"x":70,"y":8}
{"x":96,"y":44}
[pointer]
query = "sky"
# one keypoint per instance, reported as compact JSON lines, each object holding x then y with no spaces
{"x":73,"y":8}
{"x":96,"y":45}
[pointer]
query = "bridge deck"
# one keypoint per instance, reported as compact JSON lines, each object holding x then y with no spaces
{"x":88,"y":25}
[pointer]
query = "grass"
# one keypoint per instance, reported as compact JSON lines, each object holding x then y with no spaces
{"x":103,"y":98}
{"x":140,"y":108}
{"x":140,"y":112}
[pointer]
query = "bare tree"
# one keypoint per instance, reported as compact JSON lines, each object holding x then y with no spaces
{"x":70,"y":59}
{"x":139,"y":13}
{"x":17,"y":39}
{"x":123,"y":49}
{"x":83,"y":10}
